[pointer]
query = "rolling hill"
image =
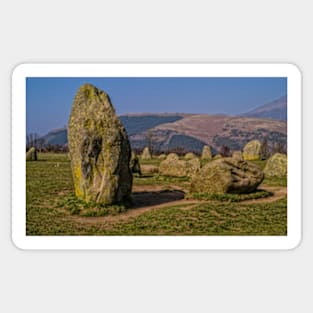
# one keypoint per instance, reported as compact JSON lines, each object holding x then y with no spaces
{"x":276,"y":110}
{"x":191,"y":131}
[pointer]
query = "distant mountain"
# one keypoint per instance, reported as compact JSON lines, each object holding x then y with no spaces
{"x":55,"y":137}
{"x":192,"y":131}
{"x":275,"y":110}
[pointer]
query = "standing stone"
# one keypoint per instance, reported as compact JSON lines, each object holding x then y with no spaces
{"x":162,"y":156}
{"x":173,"y":166}
{"x":252,"y":151}
{"x":192,"y":166}
{"x":237,"y":155}
{"x":31,"y":154}
{"x":217,"y":156}
{"x":99,"y":149}
{"x":146,"y":155}
{"x":276,"y":165}
{"x":134,"y":164}
{"x":227,"y":175}
{"x":206,"y":153}
{"x":189,"y":156}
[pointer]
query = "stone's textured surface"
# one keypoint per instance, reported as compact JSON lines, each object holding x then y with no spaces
{"x":189,"y":156}
{"x":31,"y":154}
{"x":192,"y":166}
{"x":146,"y":155}
{"x":252,"y":151}
{"x":237,"y":155}
{"x":206,"y":153}
{"x":227,"y":175}
{"x":173,"y":166}
{"x":276,"y":165}
{"x":99,"y":149}
{"x":134,"y":164}
{"x":162,"y":156}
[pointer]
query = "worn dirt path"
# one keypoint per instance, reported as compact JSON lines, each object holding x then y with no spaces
{"x":148,"y":198}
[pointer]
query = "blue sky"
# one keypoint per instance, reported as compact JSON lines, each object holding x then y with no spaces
{"x":49,"y":100}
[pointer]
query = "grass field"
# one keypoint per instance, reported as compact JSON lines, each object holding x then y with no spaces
{"x":160,"y":206}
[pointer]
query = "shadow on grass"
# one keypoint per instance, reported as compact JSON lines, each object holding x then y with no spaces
{"x":151,"y":198}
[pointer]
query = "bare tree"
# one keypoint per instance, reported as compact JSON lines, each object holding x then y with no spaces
{"x":225,"y":151}
{"x":265,"y":149}
{"x":150,"y":140}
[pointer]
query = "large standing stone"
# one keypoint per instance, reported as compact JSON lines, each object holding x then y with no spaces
{"x":227,"y":175}
{"x":146,"y":155}
{"x":99,"y":149}
{"x":31,"y":154}
{"x":276,"y":165}
{"x":206,"y":153}
{"x":252,"y":151}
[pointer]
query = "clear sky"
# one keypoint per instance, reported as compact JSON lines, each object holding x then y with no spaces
{"x":49,"y":100}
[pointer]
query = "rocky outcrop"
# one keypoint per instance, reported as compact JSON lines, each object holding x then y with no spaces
{"x":276,"y":165}
{"x":252,"y":151}
{"x":99,"y":149}
{"x":227,"y":175}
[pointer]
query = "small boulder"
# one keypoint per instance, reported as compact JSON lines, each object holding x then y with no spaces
{"x":252,"y":151}
{"x":217,"y":156}
{"x":146,"y":155}
{"x":192,"y":166}
{"x":162,"y":156}
{"x":227,"y":175}
{"x":276,"y":165}
{"x":31,"y":154}
{"x":206,"y":153}
{"x":173,"y":166}
{"x":237,"y":155}
{"x":189,"y":156}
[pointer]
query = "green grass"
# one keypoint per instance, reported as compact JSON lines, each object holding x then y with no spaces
{"x":52,"y":209}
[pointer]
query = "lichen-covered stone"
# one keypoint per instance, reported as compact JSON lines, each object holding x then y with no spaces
{"x":252,"y":151}
{"x":31,"y":154}
{"x":146,"y":155}
{"x":173,"y":166}
{"x":192,"y":166}
{"x":134,"y":164}
{"x":227,"y":175}
{"x":206,"y":153}
{"x":99,"y":149}
{"x":276,"y":165}
{"x":237,"y":155}
{"x":189,"y":156}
